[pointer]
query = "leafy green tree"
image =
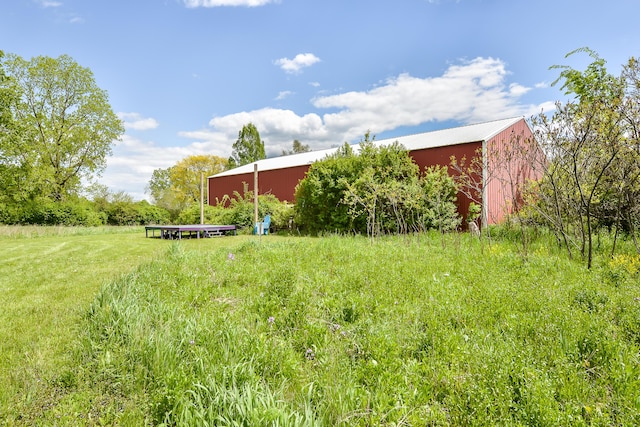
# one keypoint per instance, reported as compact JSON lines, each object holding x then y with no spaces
{"x":185,"y":176}
{"x":62,"y":127}
{"x":7,"y":96}
{"x":159,"y":187}
{"x":248,"y":147}
{"x":11,"y":182}
{"x":627,"y":211}
{"x":591,"y":176}
{"x":298,"y":147}
{"x":178,"y":187}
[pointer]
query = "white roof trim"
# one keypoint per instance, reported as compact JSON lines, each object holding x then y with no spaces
{"x":420,"y":141}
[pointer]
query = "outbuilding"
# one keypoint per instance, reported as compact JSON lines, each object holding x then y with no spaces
{"x":500,"y":147}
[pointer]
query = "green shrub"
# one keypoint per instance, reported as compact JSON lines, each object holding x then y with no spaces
{"x":151,"y":214}
{"x":135,"y":213}
{"x":439,"y":210}
{"x":239,"y":211}
{"x":378,"y":191}
{"x":70,"y":213}
{"x":9,"y":213}
{"x":319,"y":196}
{"x":82,"y":212}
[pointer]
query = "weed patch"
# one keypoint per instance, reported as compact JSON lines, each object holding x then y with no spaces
{"x":341,"y":331}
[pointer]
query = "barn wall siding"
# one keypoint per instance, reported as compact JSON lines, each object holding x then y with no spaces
{"x":282,"y":182}
{"x":507,"y":172}
{"x":279,"y":182}
{"x":441,"y":156}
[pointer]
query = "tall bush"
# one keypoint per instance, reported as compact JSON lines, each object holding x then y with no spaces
{"x":439,"y":196}
{"x":47,"y":212}
{"x":375,"y":192}
{"x":319,"y":196}
{"x":591,"y":177}
{"x":135,"y":213}
{"x":240,"y":211}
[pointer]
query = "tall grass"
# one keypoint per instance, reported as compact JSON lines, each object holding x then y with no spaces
{"x":339,"y":331}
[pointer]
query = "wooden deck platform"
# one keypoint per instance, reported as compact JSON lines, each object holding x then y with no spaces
{"x":192,"y":230}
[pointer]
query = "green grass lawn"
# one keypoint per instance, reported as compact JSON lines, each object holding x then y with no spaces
{"x":48,"y":277}
{"x":116,"y":329}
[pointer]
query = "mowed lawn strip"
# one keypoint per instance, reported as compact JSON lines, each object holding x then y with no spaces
{"x":46,"y":283}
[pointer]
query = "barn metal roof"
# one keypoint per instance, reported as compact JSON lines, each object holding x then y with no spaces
{"x":439,"y":138}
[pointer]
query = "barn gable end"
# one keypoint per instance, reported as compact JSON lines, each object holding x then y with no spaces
{"x":509,"y":167}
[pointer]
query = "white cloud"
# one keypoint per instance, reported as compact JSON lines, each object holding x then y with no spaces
{"x":221,"y":3}
{"x":545,"y":107}
{"x":133,"y":161}
{"x":473,"y":91}
{"x":274,"y":123}
{"x":49,"y":3}
{"x":469,"y":92}
{"x":518,"y":90}
{"x":136,"y":122}
{"x":284,"y":94}
{"x":295,"y":65}
{"x":278,"y":128}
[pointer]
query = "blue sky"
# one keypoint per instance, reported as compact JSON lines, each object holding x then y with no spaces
{"x":186,"y":75}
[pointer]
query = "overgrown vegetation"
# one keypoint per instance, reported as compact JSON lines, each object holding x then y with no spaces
{"x":428,"y":330}
{"x":591,"y":173}
{"x":378,"y":190}
{"x":584,"y":157}
{"x":239,"y":210}
{"x":48,"y":276}
{"x":82,"y":212}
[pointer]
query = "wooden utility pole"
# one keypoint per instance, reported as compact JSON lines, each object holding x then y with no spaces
{"x":201,"y":197}
{"x":255,"y":195}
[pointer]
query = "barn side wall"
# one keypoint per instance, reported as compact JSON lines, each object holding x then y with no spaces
{"x":282,"y":182}
{"x":506,"y":177}
{"x":279,"y":182}
{"x":441,"y":156}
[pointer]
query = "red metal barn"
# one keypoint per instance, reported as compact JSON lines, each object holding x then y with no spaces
{"x":500,"y":143}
